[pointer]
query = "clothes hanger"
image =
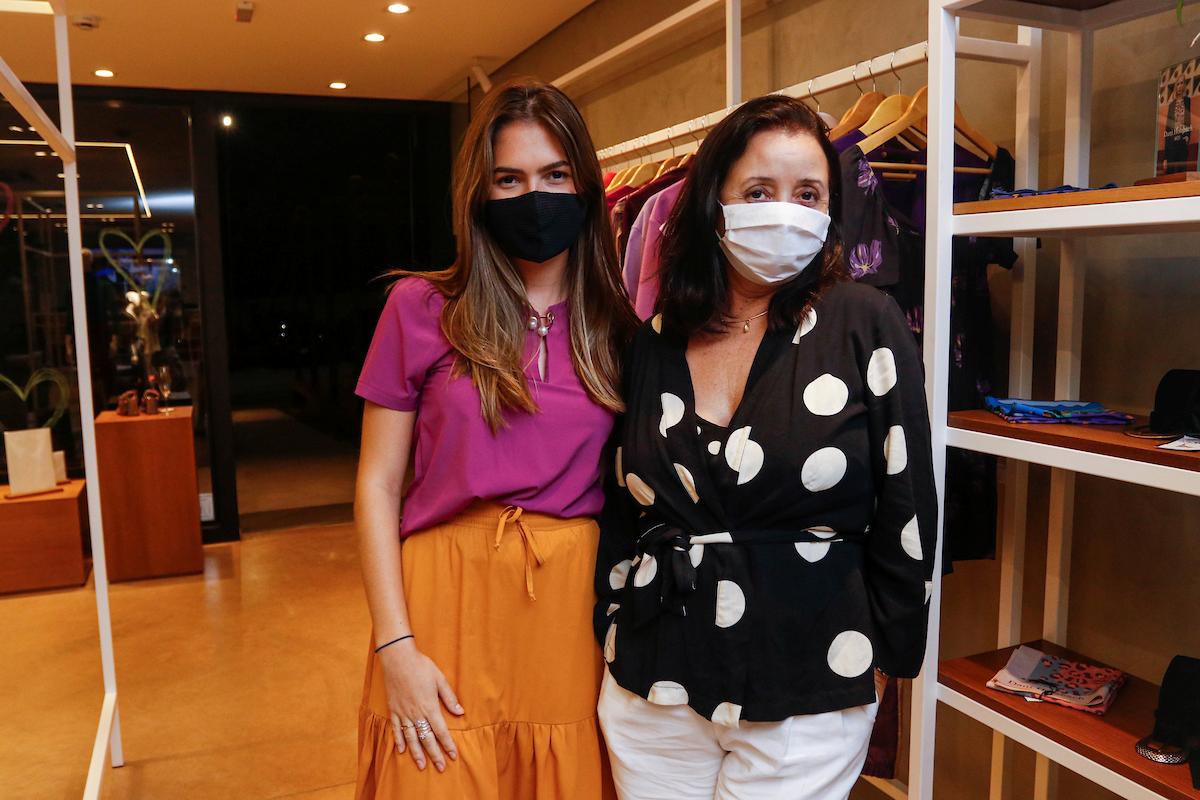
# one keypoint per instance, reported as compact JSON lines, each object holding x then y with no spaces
{"x":890,"y":110}
{"x":915,"y":113}
{"x":667,"y":165}
{"x":862,"y":109}
{"x":645,"y":172}
{"x":625,"y":174}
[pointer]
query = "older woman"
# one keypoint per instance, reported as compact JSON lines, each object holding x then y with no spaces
{"x":766,"y":551}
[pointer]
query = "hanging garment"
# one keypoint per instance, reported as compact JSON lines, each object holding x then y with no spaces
{"x":893,"y":213}
{"x":758,"y":571}
{"x":641,"y":269}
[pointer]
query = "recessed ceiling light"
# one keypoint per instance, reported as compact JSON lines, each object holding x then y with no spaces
{"x":104,"y":73}
{"x":61,"y":175}
{"x":41,"y":153}
{"x":16,"y":129}
{"x":227,"y":121}
{"x":374,"y":37}
{"x":337,"y":85}
{"x":398,"y":8}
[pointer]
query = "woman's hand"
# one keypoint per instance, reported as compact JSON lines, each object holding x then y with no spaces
{"x":415,"y":686}
{"x":880,"y":685}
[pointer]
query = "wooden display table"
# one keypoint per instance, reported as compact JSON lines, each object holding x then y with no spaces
{"x":41,"y":539}
{"x":148,"y":494}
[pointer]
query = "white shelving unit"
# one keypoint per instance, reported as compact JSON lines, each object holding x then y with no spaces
{"x":1099,"y":749}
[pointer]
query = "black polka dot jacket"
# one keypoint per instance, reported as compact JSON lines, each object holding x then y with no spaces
{"x":760,"y":570}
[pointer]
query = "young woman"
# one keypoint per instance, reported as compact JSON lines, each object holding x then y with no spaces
{"x":501,"y":374}
{"x":775,"y":532}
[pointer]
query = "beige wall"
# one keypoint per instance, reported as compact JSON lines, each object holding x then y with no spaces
{"x":1137,"y":551}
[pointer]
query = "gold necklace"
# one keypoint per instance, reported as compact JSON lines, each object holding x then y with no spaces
{"x":746,"y":322}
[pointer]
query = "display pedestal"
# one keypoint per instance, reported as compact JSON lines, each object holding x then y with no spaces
{"x":41,"y":540}
{"x":148,"y":494}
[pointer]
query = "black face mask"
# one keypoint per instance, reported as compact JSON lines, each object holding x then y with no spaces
{"x":535,"y":226}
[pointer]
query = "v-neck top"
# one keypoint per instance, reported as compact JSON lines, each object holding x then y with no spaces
{"x":547,"y":461}
{"x":760,"y":570}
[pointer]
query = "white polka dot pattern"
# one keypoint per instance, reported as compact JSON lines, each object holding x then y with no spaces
{"x":667,"y":693}
{"x":744,"y":455}
{"x":806,"y":325}
{"x":731,"y":604}
{"x":645,"y":571}
{"x":689,"y":484}
{"x":727,"y":715}
{"x":823,"y":469}
{"x":672,"y":413}
{"x":656,"y":323}
{"x":812,"y":552}
{"x":850,"y":655}
{"x":910,"y":539}
{"x":696,"y":554}
{"x":928,"y":590}
{"x":612,"y":609}
{"x":619,"y":574}
{"x":881,"y":372}
{"x":826,"y":395}
{"x":640,"y":491}
{"x":895,"y":450}
{"x":714,"y":448}
{"x":610,"y":643}
{"x":713,"y":538}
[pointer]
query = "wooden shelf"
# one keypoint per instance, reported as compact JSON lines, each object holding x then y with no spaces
{"x":1129,"y":209}
{"x":1107,"y":740}
{"x":1121,"y":194}
{"x":1102,"y":450}
{"x":1065,"y":14}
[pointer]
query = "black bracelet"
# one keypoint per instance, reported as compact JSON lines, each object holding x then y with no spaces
{"x":392,"y":642}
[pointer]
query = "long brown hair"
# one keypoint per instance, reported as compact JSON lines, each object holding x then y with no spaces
{"x":485,"y":314}
{"x":694,"y":285}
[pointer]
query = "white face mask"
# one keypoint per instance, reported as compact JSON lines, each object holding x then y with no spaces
{"x":769,"y":243}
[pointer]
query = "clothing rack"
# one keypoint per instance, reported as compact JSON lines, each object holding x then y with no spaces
{"x":665,"y":142}
{"x":108,"y":732}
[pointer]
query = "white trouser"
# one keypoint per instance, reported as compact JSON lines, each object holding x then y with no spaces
{"x":673,"y":753}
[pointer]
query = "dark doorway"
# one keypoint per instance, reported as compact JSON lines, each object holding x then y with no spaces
{"x":318,"y":201}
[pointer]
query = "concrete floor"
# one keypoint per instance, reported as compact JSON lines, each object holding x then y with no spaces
{"x":242,"y":682}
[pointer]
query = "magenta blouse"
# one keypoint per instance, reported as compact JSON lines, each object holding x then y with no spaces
{"x":548,"y":462}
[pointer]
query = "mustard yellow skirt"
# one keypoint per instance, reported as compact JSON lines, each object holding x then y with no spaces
{"x":526,"y":670}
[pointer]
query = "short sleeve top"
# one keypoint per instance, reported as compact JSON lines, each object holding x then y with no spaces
{"x":548,"y":461}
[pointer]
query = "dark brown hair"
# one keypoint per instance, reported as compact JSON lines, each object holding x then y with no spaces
{"x":694,"y":288}
{"x":485,"y":313}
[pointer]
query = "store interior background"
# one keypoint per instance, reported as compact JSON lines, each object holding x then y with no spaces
{"x":244,"y":681}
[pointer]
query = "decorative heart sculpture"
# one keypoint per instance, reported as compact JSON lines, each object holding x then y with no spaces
{"x":8,"y":205}
{"x":39,"y":377}
{"x":137,"y":253}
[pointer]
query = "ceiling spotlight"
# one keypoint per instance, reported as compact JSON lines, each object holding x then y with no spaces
{"x":227,"y":121}
{"x":61,"y":175}
{"x":16,"y":129}
{"x":337,"y":85}
{"x":104,"y":73}
{"x":398,"y":8}
{"x":41,"y":153}
{"x":374,"y":37}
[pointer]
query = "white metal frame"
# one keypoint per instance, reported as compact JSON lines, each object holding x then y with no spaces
{"x":108,"y":732}
{"x":1071,"y":223}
